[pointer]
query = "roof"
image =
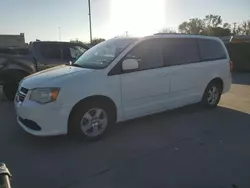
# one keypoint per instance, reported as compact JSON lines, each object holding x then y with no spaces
{"x":180,"y":35}
{"x":62,"y":42}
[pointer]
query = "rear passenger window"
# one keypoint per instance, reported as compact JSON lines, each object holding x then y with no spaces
{"x":50,"y":50}
{"x":179,"y":51}
{"x":211,"y":50}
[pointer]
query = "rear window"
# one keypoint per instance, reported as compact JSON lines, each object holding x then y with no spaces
{"x":211,"y":50}
{"x":179,"y":51}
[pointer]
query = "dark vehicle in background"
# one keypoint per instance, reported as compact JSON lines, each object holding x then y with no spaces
{"x":14,"y":51}
{"x":238,"y":47}
{"x":17,"y":63}
{"x":240,"y":54}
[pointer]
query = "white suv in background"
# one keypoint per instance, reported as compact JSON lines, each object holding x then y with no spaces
{"x":122,"y":79}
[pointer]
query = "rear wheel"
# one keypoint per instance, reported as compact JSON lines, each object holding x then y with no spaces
{"x":212,"y":94}
{"x":90,"y":121}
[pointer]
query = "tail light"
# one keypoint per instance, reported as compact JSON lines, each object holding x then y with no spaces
{"x":231,"y":65}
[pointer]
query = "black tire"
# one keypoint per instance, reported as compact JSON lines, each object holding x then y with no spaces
{"x":74,"y":127}
{"x":12,"y":80}
{"x":10,"y":90}
{"x":206,"y":96}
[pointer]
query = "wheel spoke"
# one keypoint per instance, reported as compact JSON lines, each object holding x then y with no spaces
{"x":95,"y":130}
{"x":213,"y":89}
{"x":98,"y":113}
{"x":88,"y":116}
{"x":210,"y":92}
{"x":210,"y":98}
{"x":86,"y":127}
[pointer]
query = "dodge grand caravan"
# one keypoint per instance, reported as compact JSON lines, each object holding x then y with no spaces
{"x":122,"y":79}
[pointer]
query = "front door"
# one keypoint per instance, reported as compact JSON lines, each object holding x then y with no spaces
{"x":144,"y":91}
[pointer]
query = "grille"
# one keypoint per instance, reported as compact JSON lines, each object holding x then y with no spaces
{"x":22,"y":94}
{"x":24,"y":90}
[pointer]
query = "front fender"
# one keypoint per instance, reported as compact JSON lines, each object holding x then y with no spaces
{"x":16,"y":65}
{"x":20,"y":62}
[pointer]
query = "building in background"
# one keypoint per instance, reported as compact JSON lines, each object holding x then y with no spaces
{"x":12,"y":41}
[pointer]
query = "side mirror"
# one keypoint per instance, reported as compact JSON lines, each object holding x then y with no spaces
{"x":130,"y":64}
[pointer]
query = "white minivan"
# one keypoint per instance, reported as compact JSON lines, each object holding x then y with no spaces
{"x":122,"y":79}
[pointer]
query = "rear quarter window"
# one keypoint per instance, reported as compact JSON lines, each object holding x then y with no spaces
{"x":211,"y":50}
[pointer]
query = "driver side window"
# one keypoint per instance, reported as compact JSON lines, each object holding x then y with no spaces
{"x":72,"y":52}
{"x":148,"y":54}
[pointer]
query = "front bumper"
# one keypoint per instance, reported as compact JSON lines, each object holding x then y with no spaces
{"x":51,"y":118}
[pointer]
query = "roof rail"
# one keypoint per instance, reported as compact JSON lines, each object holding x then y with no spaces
{"x":169,"y":34}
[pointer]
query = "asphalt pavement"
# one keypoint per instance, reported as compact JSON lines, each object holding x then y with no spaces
{"x":188,"y":147}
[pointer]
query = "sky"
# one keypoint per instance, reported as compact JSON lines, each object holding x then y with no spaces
{"x":68,"y":19}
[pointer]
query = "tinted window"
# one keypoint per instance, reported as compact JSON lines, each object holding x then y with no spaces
{"x":50,"y":50}
{"x":178,"y":51}
{"x":148,"y":53}
{"x":211,"y":50}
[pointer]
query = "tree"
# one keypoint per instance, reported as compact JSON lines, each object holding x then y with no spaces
{"x":226,"y":26}
{"x":216,"y":21}
{"x":184,"y":28}
{"x":213,"y":20}
{"x":95,"y":41}
{"x":245,"y":27}
{"x":167,"y":30}
{"x":193,"y":26}
{"x":218,"y":31}
{"x":211,"y":25}
{"x":76,"y":41}
{"x":237,"y":29}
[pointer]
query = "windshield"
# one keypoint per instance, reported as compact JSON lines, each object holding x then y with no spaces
{"x":101,"y":55}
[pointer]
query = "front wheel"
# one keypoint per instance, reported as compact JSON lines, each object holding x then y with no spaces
{"x":212,"y":95}
{"x":90,"y":121}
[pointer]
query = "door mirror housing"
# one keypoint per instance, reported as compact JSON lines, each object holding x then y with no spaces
{"x":130,"y":64}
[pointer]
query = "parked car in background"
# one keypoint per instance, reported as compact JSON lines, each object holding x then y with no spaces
{"x":14,"y":50}
{"x":240,"y":54}
{"x":122,"y":79}
{"x":15,"y":64}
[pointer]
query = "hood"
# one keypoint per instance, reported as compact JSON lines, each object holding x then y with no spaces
{"x":45,"y":77}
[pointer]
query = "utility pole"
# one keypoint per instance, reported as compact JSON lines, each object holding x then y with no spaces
{"x":126,"y":33}
{"x":90,"y":25}
{"x":59,"y":33}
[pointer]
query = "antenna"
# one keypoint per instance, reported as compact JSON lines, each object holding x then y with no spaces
{"x":90,"y":24}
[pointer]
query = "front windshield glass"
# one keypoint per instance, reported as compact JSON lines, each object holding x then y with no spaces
{"x":101,"y":55}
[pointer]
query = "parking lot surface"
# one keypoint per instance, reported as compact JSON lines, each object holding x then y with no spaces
{"x":188,"y":147}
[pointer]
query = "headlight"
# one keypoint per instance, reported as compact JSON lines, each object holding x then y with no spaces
{"x":44,"y":95}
